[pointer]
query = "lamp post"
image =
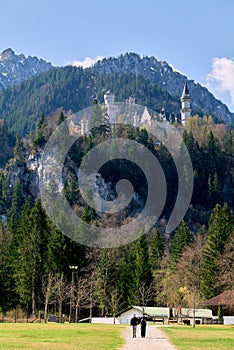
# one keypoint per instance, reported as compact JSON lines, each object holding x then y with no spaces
{"x":72,"y":268}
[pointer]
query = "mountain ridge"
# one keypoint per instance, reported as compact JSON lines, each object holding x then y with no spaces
{"x":162,"y":73}
{"x":151,"y":82}
{"x":14,"y":69}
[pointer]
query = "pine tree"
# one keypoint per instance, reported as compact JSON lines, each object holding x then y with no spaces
{"x":219,"y":231}
{"x":71,"y":189}
{"x":135,"y":270}
{"x":61,"y":118}
{"x":88,"y":214}
{"x":99,"y":120}
{"x":19,"y":149}
{"x":220,"y":314}
{"x":125,"y":278}
{"x":14,"y":212}
{"x":41,"y":122}
{"x":183,"y":236}
{"x":213,"y":155}
{"x":8,"y":297}
{"x":156,"y":250}
{"x":104,"y":278}
{"x":200,"y":175}
{"x":215,"y":191}
{"x":229,"y":143}
{"x":55,"y":258}
{"x":31,"y":255}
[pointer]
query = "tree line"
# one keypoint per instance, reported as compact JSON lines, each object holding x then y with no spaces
{"x":43,"y":270}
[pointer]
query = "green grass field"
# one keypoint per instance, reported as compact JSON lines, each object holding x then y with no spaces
{"x":202,"y":337}
{"x":60,"y":336}
{"x":52,"y":336}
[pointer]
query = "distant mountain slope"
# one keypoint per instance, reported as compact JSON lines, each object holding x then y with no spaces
{"x":159,"y":72}
{"x":73,"y":89}
{"x":17,"y":68}
{"x":150,"y":82}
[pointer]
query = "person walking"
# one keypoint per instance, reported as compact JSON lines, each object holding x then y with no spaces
{"x":134,"y":322}
{"x":143,"y":327}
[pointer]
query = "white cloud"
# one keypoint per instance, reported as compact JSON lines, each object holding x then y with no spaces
{"x":87,"y":62}
{"x":221,"y":78}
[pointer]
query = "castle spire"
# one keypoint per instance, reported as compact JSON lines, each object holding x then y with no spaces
{"x":185,"y":90}
{"x":185,"y":110}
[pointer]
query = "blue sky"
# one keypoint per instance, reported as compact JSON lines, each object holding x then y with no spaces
{"x":195,"y":36}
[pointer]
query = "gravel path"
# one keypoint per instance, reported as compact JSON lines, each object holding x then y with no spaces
{"x":155,"y":340}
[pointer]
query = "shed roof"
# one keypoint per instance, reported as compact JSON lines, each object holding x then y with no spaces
{"x":225,"y":298}
{"x":156,"y":311}
{"x":149,"y":310}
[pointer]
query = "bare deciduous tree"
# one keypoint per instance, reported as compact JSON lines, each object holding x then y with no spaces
{"x":81,"y":294}
{"x":91,"y":293}
{"x":62,"y":292}
{"x":114,"y":301}
{"x":189,"y":269}
{"x":48,"y":289}
{"x":166,"y":284}
{"x":145,"y":293}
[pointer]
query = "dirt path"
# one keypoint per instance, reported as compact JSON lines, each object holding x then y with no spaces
{"x":155,"y":340}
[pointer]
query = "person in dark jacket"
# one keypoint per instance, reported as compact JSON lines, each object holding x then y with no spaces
{"x":134,"y":322}
{"x":143,"y":327}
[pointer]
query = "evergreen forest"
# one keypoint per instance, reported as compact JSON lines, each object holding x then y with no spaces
{"x":44,"y":272}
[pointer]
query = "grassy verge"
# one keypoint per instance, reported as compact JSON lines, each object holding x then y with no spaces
{"x":202,"y":337}
{"x":60,"y":336}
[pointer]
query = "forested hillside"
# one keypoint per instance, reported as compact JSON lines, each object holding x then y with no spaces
{"x":73,"y":89}
{"x":7,"y":143}
{"x":44,"y":271}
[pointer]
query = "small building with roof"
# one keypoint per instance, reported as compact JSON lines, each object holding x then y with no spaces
{"x":187,"y":315}
{"x":226,"y":299}
{"x":150,"y":312}
{"x":159,"y":314}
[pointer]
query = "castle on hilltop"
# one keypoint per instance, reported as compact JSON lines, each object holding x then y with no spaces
{"x":185,"y":111}
{"x":138,"y":120}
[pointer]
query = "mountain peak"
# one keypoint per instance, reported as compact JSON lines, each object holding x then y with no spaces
{"x":14,"y":69}
{"x":7,"y":54}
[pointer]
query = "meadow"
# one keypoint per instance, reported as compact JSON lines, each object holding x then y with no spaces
{"x":53,"y":336}
{"x":60,"y":336}
{"x":202,"y":337}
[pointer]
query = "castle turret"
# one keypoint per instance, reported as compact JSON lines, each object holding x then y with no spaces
{"x":185,"y":110}
{"x":109,"y":100}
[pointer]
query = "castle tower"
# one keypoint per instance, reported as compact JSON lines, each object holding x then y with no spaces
{"x":185,"y":110}
{"x":84,"y":123}
{"x":109,"y":100}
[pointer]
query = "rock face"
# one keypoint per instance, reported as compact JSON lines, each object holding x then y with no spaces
{"x":14,"y":69}
{"x":27,"y":172}
{"x":161,"y":73}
